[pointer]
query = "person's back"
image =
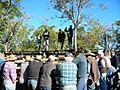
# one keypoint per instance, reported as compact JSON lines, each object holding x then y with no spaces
{"x":81,"y":62}
{"x":61,"y":36}
{"x":33,"y":72}
{"x":70,"y":31}
{"x":67,"y":73}
{"x":45,"y":79}
{"x":23,"y":72}
{"x":34,"y":69}
{"x":9,"y":73}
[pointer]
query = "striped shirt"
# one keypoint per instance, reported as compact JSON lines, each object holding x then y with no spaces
{"x":67,"y":73}
{"x":9,"y":71}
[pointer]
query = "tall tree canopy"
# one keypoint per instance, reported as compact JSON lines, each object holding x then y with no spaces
{"x":10,"y":20}
{"x":73,"y":10}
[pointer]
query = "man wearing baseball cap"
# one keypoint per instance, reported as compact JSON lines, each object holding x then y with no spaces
{"x":67,"y":73}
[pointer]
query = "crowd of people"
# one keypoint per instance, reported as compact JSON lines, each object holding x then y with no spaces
{"x":79,"y":71}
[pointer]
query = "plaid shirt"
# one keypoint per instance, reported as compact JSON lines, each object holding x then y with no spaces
{"x":67,"y":73}
{"x":9,"y":71}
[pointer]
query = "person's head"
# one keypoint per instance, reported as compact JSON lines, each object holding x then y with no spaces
{"x":51,"y":58}
{"x":89,"y":53}
{"x":80,"y":50}
{"x":107,"y":52}
{"x":70,"y":26}
{"x":11,"y":58}
{"x":38,"y":57}
{"x":112,"y":52}
{"x":46,"y":30}
{"x":68,"y":56}
{"x":100,"y":54}
{"x":28,"y":58}
{"x":60,"y":30}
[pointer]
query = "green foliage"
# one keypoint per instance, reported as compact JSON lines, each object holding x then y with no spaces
{"x":88,"y":38}
{"x":53,"y":36}
{"x":9,"y":21}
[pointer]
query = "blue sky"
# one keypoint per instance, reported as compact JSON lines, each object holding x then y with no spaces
{"x":41,"y":13}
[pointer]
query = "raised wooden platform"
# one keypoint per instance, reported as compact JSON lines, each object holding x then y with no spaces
{"x":55,"y":52}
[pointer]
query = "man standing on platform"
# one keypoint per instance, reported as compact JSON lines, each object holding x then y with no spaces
{"x":61,"y":38}
{"x":70,"y":36}
{"x":39,"y":38}
{"x":46,"y":36}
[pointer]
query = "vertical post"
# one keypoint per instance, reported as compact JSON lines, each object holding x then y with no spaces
{"x":75,"y":39}
{"x":105,"y":38}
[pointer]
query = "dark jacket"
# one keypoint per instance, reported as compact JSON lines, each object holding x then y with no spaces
{"x":34,"y":69}
{"x":115,"y":61}
{"x":46,"y":35}
{"x":61,"y":36}
{"x":45,"y":78}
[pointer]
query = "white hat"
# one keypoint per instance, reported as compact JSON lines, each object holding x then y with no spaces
{"x":52,"y":58}
{"x":100,"y":52}
{"x":69,"y":56}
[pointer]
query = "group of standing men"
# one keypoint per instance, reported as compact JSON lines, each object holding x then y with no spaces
{"x":61,"y":38}
{"x":70,"y":74}
{"x":62,"y":35}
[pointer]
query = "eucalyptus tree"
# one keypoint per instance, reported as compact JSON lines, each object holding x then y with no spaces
{"x":11,"y":19}
{"x":73,"y":10}
{"x":89,"y":35}
{"x":77,"y":11}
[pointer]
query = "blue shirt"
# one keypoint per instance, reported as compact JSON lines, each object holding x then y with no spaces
{"x":2,"y":60}
{"x":67,"y":73}
{"x":81,"y":61}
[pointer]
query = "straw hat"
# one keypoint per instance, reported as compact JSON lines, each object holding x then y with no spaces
{"x":28,"y":58}
{"x":38,"y":57}
{"x":89,"y":53}
{"x":11,"y":57}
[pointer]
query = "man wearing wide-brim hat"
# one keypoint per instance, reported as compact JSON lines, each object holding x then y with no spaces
{"x":9,"y":73}
{"x":24,"y":71}
{"x":93,"y":74}
{"x":89,"y":53}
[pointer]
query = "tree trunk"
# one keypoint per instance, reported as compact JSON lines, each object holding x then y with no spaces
{"x":6,"y":47}
{"x":75,"y":39}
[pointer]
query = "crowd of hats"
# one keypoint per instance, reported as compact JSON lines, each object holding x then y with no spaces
{"x":67,"y":55}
